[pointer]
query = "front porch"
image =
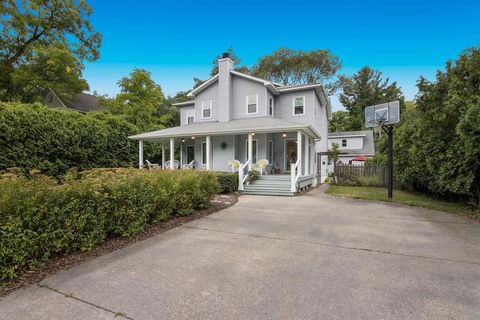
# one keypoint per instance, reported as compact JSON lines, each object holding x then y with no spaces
{"x":288,"y":152}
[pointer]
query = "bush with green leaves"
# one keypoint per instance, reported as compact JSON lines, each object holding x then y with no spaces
{"x":40,"y":217}
{"x":228,"y":182}
{"x":33,"y":136}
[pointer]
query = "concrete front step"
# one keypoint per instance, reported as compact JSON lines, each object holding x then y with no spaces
{"x":269,"y":193}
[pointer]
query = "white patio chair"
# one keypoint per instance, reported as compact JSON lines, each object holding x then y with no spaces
{"x":188,"y":166}
{"x":261,"y":166}
{"x":152,"y":166}
{"x":234,"y":164}
{"x":176,"y":164}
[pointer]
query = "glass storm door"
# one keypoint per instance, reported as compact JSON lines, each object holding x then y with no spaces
{"x":291,"y":154}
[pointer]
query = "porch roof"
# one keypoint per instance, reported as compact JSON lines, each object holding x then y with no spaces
{"x":242,"y":126}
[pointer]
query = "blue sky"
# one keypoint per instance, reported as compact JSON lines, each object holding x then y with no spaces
{"x":177,"y":40}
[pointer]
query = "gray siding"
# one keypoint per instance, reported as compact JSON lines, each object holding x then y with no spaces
{"x":185,"y":112}
{"x":284,"y":107}
{"x":242,"y":87}
{"x":210,"y":93}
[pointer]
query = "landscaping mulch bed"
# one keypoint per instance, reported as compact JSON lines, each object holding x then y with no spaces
{"x":66,"y":261}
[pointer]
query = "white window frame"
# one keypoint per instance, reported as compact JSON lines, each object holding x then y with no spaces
{"x":346,"y":143}
{"x":273,"y":106}
{"x":293,"y":106}
{"x":253,"y":153}
{"x":256,"y":103}
{"x":205,"y":108}
{"x":190,"y":116}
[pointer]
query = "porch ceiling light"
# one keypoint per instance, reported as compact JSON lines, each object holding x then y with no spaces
{"x":284,"y":135}
{"x":183,"y":140}
{"x":253,"y":134}
{"x":193,"y":138}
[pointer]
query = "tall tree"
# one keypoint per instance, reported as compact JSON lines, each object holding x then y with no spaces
{"x":437,"y":143}
{"x":49,"y":68}
{"x":363,"y":89}
{"x":26,"y":26}
{"x":340,"y":121}
{"x":289,"y":67}
{"x":140,"y":101}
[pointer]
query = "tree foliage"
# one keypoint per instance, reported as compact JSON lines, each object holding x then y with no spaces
{"x":141,"y":102}
{"x":437,"y":144}
{"x":290,"y":67}
{"x":236,"y":61}
{"x":363,"y":89}
{"x":55,"y":68}
{"x":340,"y":121}
{"x":27,"y":27}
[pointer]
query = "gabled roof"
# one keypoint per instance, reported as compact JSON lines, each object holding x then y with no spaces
{"x":368,"y":142}
{"x":82,"y":102}
{"x":241,"y":126}
{"x":203,"y":86}
{"x":270,"y":85}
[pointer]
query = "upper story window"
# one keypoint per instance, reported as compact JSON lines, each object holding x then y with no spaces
{"x":252,"y":103}
{"x":344,"y":142}
{"x":270,"y":106}
{"x":299,"y":106}
{"x":206,"y":109}
{"x":190,"y":120}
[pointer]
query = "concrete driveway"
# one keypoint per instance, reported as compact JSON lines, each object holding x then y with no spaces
{"x":309,"y":257}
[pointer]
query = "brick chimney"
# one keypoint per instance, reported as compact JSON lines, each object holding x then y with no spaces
{"x":225,"y":65}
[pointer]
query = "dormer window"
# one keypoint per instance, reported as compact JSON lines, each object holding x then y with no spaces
{"x":252,"y":103}
{"x":206,"y":109}
{"x":299,"y":106}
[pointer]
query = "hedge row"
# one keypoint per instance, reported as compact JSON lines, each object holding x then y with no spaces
{"x":228,"y":182}
{"x":34,"y":136}
{"x":40,"y":217}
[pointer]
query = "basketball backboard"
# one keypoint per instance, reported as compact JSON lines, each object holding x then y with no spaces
{"x":382,"y":114}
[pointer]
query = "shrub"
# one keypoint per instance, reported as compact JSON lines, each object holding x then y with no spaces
{"x":228,"y":182}
{"x":40,"y":217}
{"x":369,"y":181}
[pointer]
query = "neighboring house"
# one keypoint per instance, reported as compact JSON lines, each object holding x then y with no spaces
{"x":82,"y":102}
{"x":237,"y":116}
{"x":355,"y":147}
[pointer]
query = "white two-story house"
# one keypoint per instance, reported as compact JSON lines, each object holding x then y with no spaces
{"x":235,"y":116}
{"x":355,"y":147}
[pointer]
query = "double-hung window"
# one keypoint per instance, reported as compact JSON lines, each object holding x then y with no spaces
{"x":299,"y":106}
{"x":206,"y":109}
{"x":190,"y":120}
{"x":252,"y":103}
{"x":270,"y":106}
{"x":344,"y":142}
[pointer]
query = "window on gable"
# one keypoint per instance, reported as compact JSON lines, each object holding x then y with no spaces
{"x":206,"y":109}
{"x":252,"y":102}
{"x":298,"y":106}
{"x":270,"y":106}
{"x":344,"y":142}
{"x":190,"y":120}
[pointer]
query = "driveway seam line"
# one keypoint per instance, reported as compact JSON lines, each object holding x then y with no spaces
{"x":335,"y":246}
{"x":71,"y":296}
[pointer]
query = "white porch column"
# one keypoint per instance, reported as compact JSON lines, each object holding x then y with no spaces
{"x":181,"y":156}
{"x":163,"y":156}
{"x":307,"y":155}
{"x":209,"y":152}
{"x":250,"y":151}
{"x":172,"y":154}
{"x":140,"y":154}
{"x":299,"y":151}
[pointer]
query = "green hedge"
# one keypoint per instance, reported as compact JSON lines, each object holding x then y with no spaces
{"x":228,"y":182}
{"x":40,"y":217}
{"x":34,"y":136}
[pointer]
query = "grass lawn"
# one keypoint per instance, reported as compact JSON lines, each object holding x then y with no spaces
{"x":403,"y":197}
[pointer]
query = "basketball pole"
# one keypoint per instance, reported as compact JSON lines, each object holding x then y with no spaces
{"x":389,"y":131}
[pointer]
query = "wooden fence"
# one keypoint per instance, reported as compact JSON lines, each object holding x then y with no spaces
{"x":367,"y":174}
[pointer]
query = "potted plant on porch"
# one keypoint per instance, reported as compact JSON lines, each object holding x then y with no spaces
{"x":252,"y":175}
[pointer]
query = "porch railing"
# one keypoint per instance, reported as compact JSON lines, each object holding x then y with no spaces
{"x":242,"y":177}
{"x":294,"y":175}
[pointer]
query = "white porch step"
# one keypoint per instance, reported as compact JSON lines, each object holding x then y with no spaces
{"x":278,"y":185}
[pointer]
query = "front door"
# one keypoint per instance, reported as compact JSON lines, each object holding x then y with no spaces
{"x":190,"y":153}
{"x":290,"y":153}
